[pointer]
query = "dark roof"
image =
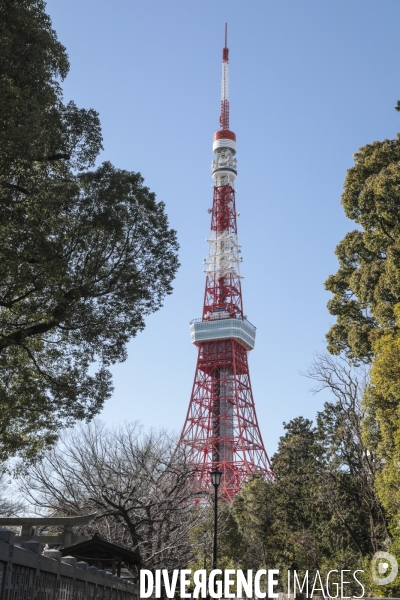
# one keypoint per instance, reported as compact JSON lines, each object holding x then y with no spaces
{"x":44,"y":521}
{"x":98,"y":548}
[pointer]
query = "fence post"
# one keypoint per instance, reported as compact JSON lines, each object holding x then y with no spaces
{"x":9,"y":538}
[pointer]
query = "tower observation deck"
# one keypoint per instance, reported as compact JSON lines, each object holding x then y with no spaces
{"x":221,"y":428}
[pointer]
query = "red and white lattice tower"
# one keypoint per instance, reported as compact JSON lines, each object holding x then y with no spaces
{"x":221,"y":428}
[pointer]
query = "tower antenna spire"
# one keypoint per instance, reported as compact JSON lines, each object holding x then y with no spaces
{"x":224,"y":117}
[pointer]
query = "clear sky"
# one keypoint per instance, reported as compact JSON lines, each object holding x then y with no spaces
{"x":311,"y":82}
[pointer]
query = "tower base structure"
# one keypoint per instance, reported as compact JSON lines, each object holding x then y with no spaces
{"x":221,"y":428}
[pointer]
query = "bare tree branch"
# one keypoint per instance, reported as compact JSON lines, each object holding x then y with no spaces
{"x":139,"y":486}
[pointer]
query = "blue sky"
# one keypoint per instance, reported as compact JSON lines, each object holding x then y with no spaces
{"x":311,"y":82}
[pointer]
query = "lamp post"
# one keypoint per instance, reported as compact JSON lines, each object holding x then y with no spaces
{"x":216,"y":480}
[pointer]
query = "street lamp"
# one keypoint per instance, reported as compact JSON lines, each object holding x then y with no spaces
{"x":216,"y":480}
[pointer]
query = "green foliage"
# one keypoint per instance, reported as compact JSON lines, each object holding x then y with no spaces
{"x":366,"y":303}
{"x":253,"y":513}
{"x":35,"y":124}
{"x":367,"y":285}
{"x":320,"y":513}
{"x":382,"y":425}
{"x":84,"y":255}
{"x":201,"y":537}
{"x":301,"y":513}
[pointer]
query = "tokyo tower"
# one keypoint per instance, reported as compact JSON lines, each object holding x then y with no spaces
{"x":221,"y":428}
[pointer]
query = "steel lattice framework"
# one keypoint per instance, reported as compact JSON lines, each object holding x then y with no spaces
{"x":221,"y":428}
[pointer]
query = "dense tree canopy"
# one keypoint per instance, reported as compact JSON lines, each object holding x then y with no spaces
{"x":367,"y":285}
{"x":382,"y":423}
{"x":85,"y":254}
{"x":36,"y":125}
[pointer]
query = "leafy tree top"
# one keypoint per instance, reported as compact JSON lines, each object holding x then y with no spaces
{"x":367,"y":284}
{"x":84,"y":255}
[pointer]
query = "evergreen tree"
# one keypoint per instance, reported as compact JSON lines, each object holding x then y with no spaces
{"x":367,"y":285}
{"x":85,"y":254}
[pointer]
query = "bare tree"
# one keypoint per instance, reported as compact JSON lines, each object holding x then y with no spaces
{"x":139,"y":485}
{"x":340,"y":425}
{"x":10,"y":506}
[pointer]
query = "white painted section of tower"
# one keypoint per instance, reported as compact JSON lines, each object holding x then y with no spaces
{"x":224,"y":248}
{"x":224,"y":166}
{"x":224,"y":143}
{"x":223,"y":255}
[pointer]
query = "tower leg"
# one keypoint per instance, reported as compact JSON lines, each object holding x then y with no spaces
{"x":221,"y":428}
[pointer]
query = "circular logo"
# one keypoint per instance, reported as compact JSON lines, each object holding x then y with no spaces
{"x":385,"y":559}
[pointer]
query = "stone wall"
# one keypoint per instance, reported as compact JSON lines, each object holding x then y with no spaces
{"x":29,"y":573}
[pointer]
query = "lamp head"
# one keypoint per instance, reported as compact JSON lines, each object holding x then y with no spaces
{"x":216,"y":475}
